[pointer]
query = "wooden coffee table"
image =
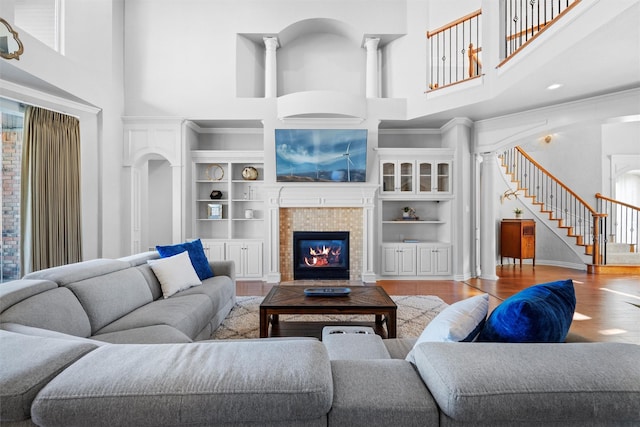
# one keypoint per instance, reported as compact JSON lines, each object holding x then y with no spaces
{"x":285,"y":299}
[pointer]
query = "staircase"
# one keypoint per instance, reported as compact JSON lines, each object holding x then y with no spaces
{"x":620,"y":226}
{"x":582,"y":227}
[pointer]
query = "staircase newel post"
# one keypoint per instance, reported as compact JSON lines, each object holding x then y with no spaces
{"x":596,"y":240}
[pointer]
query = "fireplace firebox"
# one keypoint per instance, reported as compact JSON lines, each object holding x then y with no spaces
{"x":321,"y":255}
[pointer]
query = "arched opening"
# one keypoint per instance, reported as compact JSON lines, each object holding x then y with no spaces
{"x":152,"y":201}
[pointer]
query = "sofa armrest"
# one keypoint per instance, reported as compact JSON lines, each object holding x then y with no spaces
{"x":224,"y":268}
{"x":490,"y":384}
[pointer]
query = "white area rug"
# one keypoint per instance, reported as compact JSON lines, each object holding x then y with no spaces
{"x":414,"y":312}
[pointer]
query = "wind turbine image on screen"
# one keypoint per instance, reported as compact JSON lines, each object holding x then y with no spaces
{"x":321,"y":155}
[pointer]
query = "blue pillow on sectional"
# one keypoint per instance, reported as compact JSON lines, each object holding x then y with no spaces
{"x":541,"y":313}
{"x":196,"y":254}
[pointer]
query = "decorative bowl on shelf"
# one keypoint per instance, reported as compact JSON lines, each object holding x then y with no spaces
{"x":250,"y":173}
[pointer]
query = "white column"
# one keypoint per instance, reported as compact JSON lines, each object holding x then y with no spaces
{"x":488,"y":251}
{"x":371,"y":44}
{"x":270,"y":67}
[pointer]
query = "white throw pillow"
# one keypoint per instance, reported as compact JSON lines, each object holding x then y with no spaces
{"x":174,"y":273}
{"x":455,"y":323}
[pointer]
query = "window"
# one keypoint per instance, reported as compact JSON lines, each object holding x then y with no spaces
{"x":11,"y":115}
{"x":42,"y":19}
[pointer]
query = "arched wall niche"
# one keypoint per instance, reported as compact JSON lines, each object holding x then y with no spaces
{"x":320,"y":55}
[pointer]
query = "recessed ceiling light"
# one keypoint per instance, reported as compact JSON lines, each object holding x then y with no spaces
{"x":554,"y":86}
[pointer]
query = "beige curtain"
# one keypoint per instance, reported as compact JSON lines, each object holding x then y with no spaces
{"x":50,"y":192}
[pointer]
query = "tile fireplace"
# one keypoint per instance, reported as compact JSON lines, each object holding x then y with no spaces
{"x":321,"y":255}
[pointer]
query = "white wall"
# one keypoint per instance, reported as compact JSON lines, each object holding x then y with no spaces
{"x":619,"y":139}
{"x":569,"y":155}
{"x":87,"y":83}
{"x":181,"y":57}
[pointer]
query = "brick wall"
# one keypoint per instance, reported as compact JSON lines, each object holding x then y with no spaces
{"x":11,"y":158}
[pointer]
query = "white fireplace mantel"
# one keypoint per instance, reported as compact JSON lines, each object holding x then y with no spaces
{"x":346,"y":195}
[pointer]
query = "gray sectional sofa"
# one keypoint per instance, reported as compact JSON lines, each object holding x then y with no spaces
{"x":136,"y":359}
{"x":117,"y":301}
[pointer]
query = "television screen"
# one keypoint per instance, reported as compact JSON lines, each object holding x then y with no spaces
{"x":321,"y":155}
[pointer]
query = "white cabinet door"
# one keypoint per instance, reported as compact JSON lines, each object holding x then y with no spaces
{"x":397,"y":177}
{"x":407,"y":260}
{"x":234,"y":253}
{"x":434,"y":177}
{"x":442,"y":261}
{"x":434,"y":260}
{"x":425,"y":260}
{"x":253,"y":260}
{"x":389,"y":260}
{"x":398,"y":260}
{"x":247,"y":257}
{"x":215,"y":251}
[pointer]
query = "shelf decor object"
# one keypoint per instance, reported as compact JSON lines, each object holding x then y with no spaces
{"x":249,"y":173}
{"x":215,"y":211}
{"x":214,"y":172}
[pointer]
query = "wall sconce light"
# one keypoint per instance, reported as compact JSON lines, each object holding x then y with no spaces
{"x":548,"y":139}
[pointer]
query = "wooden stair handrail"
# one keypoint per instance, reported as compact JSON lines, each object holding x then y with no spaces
{"x":626,"y":205}
{"x":542,"y":30}
{"x":527,"y":30}
{"x":537,"y":165}
{"x":454,"y":23}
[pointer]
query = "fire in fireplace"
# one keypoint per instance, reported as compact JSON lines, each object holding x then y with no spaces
{"x":321,"y":255}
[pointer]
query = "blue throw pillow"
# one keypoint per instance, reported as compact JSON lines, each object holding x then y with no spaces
{"x":541,"y":313}
{"x":196,"y":254}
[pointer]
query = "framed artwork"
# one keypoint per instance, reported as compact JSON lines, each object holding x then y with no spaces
{"x":321,"y":155}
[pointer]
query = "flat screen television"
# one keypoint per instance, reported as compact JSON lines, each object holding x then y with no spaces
{"x":321,"y":155}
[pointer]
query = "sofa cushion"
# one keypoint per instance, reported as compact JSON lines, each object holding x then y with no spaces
{"x":189,"y":314}
{"x":156,"y":334}
{"x":196,"y":255}
{"x":152,"y":280}
{"x":490,"y":384}
{"x":69,"y":273}
{"x":57,"y":309}
{"x":355,"y":346}
{"x":248,"y":383}
{"x":380,"y":393}
{"x":28,"y":364}
{"x":108,"y":297}
{"x":540,"y":313}
{"x":460,"y":321}
{"x":219,"y":289}
{"x":174,"y":273}
{"x":398,"y":348}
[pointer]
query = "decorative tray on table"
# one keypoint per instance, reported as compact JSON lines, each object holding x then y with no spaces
{"x":327,"y":292}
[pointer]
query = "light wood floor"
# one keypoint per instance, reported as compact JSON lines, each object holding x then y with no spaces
{"x":605,"y":308}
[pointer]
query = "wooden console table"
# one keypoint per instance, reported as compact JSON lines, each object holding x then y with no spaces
{"x":518,"y":239}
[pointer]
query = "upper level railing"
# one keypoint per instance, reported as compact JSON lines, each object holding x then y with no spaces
{"x":622,"y":224}
{"x":454,"y":51}
{"x":524,"y":20}
{"x":556,"y":199}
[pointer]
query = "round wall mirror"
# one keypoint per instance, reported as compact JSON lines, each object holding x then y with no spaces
{"x":10,"y":45}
